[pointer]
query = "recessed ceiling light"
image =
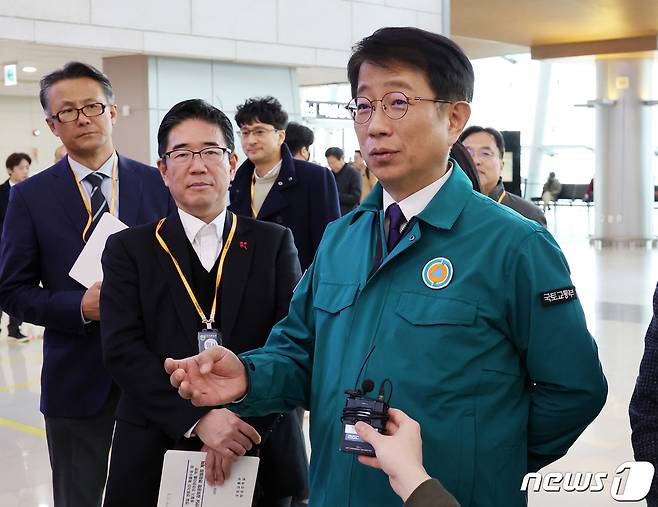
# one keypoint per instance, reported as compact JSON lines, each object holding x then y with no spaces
{"x":29,"y":69}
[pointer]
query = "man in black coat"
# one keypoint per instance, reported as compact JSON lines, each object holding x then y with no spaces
{"x":274,"y":187}
{"x":18,"y":168}
{"x":201,"y":267}
{"x":348,"y":180}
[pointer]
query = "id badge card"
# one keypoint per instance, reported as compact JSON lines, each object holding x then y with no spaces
{"x":209,"y":338}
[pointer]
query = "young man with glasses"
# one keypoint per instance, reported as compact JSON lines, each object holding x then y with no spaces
{"x":49,"y":219}
{"x":487,"y":147}
{"x":432,"y":287}
{"x":273,"y":186}
{"x":162,"y":281}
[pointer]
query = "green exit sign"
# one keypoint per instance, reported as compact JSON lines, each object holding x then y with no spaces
{"x":11,"y":75}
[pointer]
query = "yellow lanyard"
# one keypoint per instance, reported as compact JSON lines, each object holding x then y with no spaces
{"x":88,"y":203}
{"x":502,"y":196}
{"x":207,"y":321}
{"x":253,"y":184}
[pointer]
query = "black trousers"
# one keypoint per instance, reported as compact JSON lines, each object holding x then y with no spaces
{"x":79,"y":448}
{"x":136,"y":467}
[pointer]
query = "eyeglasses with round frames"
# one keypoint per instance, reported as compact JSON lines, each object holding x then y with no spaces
{"x":484,"y":153}
{"x":394,"y":104}
{"x":90,"y":110}
{"x":258,"y":133}
{"x":211,"y":156}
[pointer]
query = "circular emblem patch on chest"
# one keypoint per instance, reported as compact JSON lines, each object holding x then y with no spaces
{"x":437,"y":273}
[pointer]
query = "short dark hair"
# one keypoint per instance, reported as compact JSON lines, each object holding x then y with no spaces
{"x":298,"y":136}
{"x":16,"y":158}
{"x":476,"y":129}
{"x":449,"y":71}
{"x":335,"y":152}
{"x":197,"y":109}
{"x":463,"y":158}
{"x":262,"y":109}
{"x":74,"y":70}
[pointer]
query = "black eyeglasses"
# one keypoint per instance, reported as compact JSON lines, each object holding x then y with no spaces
{"x":69,"y":115}
{"x":394,"y":104}
{"x":211,"y":155}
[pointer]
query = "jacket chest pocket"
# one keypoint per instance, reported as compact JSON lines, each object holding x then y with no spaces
{"x":333,"y":298}
{"x":421,"y":310}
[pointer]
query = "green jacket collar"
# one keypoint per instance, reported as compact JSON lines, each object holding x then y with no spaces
{"x":441,"y":212}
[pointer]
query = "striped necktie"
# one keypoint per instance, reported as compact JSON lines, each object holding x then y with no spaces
{"x":96,"y":198}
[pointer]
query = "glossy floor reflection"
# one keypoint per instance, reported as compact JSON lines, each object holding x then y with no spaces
{"x":615,"y":287}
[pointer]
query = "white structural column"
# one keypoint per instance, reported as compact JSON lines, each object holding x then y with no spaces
{"x":535,"y":180}
{"x":623,"y":183}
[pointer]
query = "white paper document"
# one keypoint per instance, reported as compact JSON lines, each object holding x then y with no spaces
{"x":87,"y":268}
{"x":183,"y":482}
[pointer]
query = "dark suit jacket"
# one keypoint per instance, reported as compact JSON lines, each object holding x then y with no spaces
{"x":643,"y":409}
{"x":42,"y":239}
{"x":304,"y":198}
{"x":4,"y":201}
{"x":147,"y":316}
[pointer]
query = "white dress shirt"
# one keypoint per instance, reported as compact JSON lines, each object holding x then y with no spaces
{"x":416,"y":202}
{"x":206,"y":239}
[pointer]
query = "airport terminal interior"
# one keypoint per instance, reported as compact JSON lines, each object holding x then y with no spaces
{"x":572,"y":84}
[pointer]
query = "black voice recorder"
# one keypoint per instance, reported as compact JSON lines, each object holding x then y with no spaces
{"x":358,"y":407}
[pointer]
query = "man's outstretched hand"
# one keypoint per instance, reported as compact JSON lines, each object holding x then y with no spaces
{"x":214,"y":377}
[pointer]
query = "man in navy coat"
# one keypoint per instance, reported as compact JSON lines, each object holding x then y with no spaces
{"x":49,"y":219}
{"x":274,"y":187}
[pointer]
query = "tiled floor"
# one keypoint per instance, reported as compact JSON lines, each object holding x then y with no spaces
{"x":615,"y":287}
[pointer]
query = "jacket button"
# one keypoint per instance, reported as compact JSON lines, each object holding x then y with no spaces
{"x":280,"y":183}
{"x":289,"y":178}
{"x":412,"y":237}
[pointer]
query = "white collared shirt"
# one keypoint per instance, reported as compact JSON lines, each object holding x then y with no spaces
{"x":81,"y":172}
{"x":11,"y":183}
{"x":206,"y":239}
{"x":416,"y":202}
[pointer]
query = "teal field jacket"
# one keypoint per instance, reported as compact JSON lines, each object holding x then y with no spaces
{"x":469,"y":320}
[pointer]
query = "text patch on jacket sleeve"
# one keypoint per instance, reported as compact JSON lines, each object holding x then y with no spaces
{"x":557,"y":296}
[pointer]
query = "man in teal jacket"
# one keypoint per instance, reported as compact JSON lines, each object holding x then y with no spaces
{"x":465,"y":306}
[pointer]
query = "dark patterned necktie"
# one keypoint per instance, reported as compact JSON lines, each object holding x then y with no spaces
{"x":96,"y":199}
{"x":396,"y":219}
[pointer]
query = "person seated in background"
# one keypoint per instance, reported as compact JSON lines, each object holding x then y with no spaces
{"x":299,"y":139}
{"x":18,"y":168}
{"x":551,"y":190}
{"x":588,"y":196}
{"x":487,"y":147}
{"x":399,"y":454}
{"x":348,"y":180}
{"x":368,"y":179}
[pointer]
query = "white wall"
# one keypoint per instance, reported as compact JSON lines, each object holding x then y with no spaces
{"x":275,"y":32}
{"x":19,"y":116}
{"x":225,"y":85}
